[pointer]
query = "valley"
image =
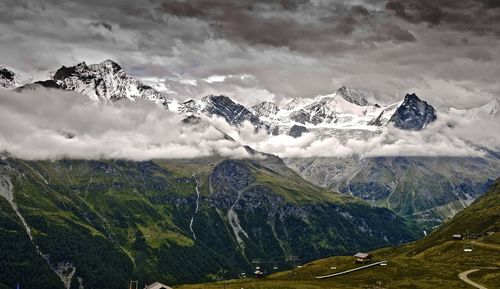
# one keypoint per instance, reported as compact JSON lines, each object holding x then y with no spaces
{"x":427,"y":263}
{"x":85,"y":216}
{"x":249,"y":144}
{"x":108,"y":220}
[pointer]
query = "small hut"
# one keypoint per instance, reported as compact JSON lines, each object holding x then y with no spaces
{"x":363,"y":257}
{"x":157,"y":285}
{"x":457,"y":237}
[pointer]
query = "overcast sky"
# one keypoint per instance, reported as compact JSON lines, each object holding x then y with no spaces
{"x":445,"y":50}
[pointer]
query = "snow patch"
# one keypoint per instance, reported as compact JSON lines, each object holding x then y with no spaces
{"x":234,"y":222}
{"x":196,"y":208}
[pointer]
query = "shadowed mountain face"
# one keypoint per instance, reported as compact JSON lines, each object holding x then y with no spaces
{"x":413,"y":114}
{"x":97,"y":223}
{"x":6,"y":78}
{"x":234,"y":113}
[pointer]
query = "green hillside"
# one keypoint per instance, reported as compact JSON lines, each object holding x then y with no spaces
{"x":432,"y":262}
{"x":99,"y":224}
{"x":427,"y":190}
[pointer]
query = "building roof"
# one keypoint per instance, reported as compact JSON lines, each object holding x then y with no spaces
{"x":362,"y":255}
{"x":158,"y":285}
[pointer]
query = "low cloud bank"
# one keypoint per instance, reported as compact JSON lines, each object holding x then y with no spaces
{"x":455,"y":133}
{"x":51,"y":124}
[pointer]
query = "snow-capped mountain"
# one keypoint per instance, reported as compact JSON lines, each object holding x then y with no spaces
{"x":13,"y":78}
{"x":105,"y":81}
{"x":341,"y":106}
{"x":353,"y":96}
{"x":234,"y":113}
{"x":487,"y":110}
{"x":488,"y":113}
{"x":492,"y":107}
{"x":345,"y":114}
{"x":413,"y":114}
{"x":385,"y":115}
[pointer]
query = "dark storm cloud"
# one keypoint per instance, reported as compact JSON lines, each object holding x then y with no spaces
{"x":473,"y":15}
{"x":267,"y":49}
{"x":288,"y":23}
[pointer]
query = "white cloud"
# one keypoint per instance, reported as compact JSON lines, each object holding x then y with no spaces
{"x":46,"y":124}
{"x":215,"y":78}
{"x":452,"y":134}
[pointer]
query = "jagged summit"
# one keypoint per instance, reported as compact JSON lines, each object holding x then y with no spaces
{"x":345,"y":113}
{"x":233,"y":112}
{"x":341,"y":105}
{"x":105,"y":81}
{"x":413,"y":113}
{"x":353,"y":96}
{"x":112,"y":65}
{"x":222,"y":106}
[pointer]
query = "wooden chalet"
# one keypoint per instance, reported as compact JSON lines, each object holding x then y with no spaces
{"x":363,"y":257}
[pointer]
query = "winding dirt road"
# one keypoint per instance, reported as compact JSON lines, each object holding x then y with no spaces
{"x":463,"y":277}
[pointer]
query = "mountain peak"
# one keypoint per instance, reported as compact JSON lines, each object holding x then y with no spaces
{"x":492,"y":107}
{"x":411,"y":97}
{"x":111,"y":64}
{"x":105,"y":81}
{"x":233,"y":112}
{"x":352,"y":96}
{"x":413,"y":113}
{"x":81,"y":64}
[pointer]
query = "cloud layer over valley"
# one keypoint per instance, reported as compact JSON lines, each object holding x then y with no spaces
{"x":48,"y":124}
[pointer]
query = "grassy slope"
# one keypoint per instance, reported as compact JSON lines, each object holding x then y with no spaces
{"x":432,"y":262}
{"x":136,"y":215}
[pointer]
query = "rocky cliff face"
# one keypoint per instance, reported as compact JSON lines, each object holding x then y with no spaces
{"x":105,"y":81}
{"x":222,"y":106}
{"x":353,"y":96}
{"x":6,"y":78}
{"x":234,"y":113}
{"x":413,"y":114}
{"x":297,"y":130}
{"x":265,"y":108}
